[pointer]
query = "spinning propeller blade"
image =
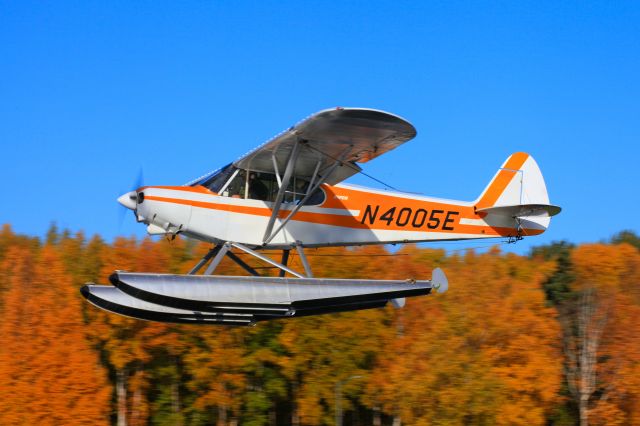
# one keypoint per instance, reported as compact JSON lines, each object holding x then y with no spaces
{"x":128,"y":200}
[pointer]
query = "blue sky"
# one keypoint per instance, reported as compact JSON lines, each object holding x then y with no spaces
{"x":91,"y":92}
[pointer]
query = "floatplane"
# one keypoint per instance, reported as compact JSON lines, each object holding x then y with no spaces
{"x":288,"y":194}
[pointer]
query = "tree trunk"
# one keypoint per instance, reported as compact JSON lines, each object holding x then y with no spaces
{"x":399,"y":323}
{"x":222,"y":415}
{"x":584,"y":411}
{"x":396,"y":420}
{"x":136,"y":417}
{"x":581,"y":346}
{"x":295,"y":419}
{"x":121,"y":396}
{"x":175,"y":403}
{"x":273,"y":416}
{"x":377,"y":419}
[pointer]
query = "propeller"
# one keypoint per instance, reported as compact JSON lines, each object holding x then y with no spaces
{"x":129,"y":200}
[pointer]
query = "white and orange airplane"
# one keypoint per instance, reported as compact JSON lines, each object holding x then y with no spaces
{"x":288,"y":194}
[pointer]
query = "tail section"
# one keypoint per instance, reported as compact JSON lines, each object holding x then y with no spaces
{"x":518,"y":191}
{"x":518,"y":181}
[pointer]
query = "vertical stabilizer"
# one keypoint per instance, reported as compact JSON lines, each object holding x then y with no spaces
{"x":518,"y":182}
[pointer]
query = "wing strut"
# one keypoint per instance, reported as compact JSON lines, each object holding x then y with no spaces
{"x":275,"y":168}
{"x":291,"y":162}
{"x":268,"y":237}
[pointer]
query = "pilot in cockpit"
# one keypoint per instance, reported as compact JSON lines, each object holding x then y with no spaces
{"x":257,"y":189}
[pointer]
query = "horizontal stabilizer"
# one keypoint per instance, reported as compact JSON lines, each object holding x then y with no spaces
{"x":522,"y":210}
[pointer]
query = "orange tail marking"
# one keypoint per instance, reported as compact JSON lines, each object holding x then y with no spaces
{"x":503,"y":178}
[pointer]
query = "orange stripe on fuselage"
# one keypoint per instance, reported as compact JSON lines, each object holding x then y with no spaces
{"x":351,"y":199}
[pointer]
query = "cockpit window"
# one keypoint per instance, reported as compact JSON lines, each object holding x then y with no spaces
{"x":233,"y":182}
{"x":215,"y":181}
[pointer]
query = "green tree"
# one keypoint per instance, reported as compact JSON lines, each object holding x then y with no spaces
{"x":628,"y":237}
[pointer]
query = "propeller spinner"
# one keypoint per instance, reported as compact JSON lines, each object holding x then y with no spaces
{"x":129,"y":200}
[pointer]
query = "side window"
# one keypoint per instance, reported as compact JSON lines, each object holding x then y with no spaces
{"x":262,"y":186}
{"x":297,"y":190}
{"x":316,"y":198}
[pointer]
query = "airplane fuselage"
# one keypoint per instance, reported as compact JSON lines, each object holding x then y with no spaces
{"x":349,"y":215}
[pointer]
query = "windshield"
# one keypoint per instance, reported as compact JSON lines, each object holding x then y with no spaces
{"x":230,"y":181}
{"x":215,"y":181}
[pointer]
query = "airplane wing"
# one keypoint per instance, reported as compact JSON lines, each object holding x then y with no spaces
{"x":346,"y":135}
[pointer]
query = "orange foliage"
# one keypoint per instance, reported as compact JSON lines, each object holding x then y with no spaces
{"x":486,"y":352}
{"x":613,"y":273}
{"x":51,"y":376}
{"x":217,"y":370}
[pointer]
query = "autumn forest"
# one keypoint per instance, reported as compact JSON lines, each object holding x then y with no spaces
{"x":547,"y":338}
